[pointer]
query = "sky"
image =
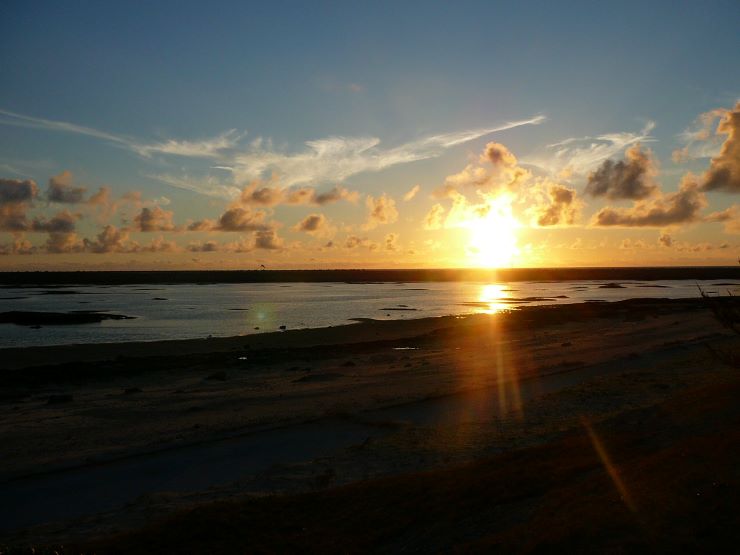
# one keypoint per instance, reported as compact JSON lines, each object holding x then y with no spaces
{"x":186,"y":135}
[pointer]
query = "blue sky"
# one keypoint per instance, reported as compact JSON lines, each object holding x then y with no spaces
{"x":396,"y":72}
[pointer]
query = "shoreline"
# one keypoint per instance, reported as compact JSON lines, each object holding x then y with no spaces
{"x":355,"y":332}
{"x":63,"y":278}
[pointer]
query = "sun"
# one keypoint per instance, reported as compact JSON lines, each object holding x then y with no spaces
{"x":493,"y":234}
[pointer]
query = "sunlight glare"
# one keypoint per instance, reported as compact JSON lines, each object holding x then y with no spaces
{"x":493,"y":241}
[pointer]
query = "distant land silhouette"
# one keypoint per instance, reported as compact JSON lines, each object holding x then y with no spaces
{"x":18,"y":279}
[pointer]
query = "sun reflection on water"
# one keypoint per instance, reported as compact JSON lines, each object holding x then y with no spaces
{"x":492,"y":298}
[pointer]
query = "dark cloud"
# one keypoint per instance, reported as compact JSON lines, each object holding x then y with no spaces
{"x":631,"y":178}
{"x":681,"y":207}
{"x":207,"y":246}
{"x":154,"y":219}
{"x":314,"y":224}
{"x":15,"y":191}
{"x":274,"y":195}
{"x":240,"y":219}
{"x":111,"y":239}
{"x":63,"y":242}
{"x":563,"y":207}
{"x":724,"y":169}
{"x":267,"y":239}
{"x":665,"y":240}
{"x":62,"y":191}
{"x":63,"y":222}
{"x":498,"y":155}
{"x":20,"y":245}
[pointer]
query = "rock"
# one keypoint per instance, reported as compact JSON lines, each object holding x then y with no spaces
{"x":349,"y":363}
{"x":283,"y":328}
{"x":219,"y":376}
{"x":132,"y":390}
{"x":59,"y":399}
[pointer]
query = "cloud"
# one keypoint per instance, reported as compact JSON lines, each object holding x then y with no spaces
{"x":15,"y":198}
{"x":206,"y":246}
{"x":62,"y":191}
{"x":730,"y":217}
{"x":631,"y":178}
{"x":561,"y":208}
{"x":681,"y":207}
{"x":501,"y":171}
{"x":63,"y":242}
{"x":257,"y":194}
{"x":411,"y":193}
{"x":391,"y":242}
{"x":581,"y":155}
{"x":354,"y":242}
{"x":213,"y":147}
{"x":63,"y":222}
{"x":724,"y":169}
{"x":700,"y":141}
{"x":154,"y":219}
{"x":241,"y":219}
{"x":329,"y":159}
{"x":435,"y":217}
{"x":315,"y":224}
{"x":20,"y":245}
{"x":267,"y":239}
{"x":14,"y":191}
{"x":381,"y":211}
{"x":665,"y":240}
{"x":110,"y":239}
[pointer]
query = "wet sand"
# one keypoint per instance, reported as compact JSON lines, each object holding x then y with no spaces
{"x":139,"y":431}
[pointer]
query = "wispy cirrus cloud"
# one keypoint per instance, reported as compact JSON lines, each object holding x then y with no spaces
{"x":330,"y":159}
{"x":213,"y":147}
{"x":581,"y":155}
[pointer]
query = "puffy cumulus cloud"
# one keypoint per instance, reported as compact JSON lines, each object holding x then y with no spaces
{"x":631,"y":178}
{"x":235,"y":218}
{"x":20,"y":245}
{"x":315,"y":224}
{"x":380,"y":211}
{"x":411,"y":193}
{"x":63,"y":242}
{"x":110,"y":239}
{"x":203,"y":246}
{"x":730,"y":217}
{"x":391,"y":242}
{"x":15,"y":199}
{"x":154,"y":219}
{"x":268,"y":239}
{"x":240,"y":219}
{"x":561,"y":207}
{"x":665,"y":240}
{"x":14,"y":191}
{"x":724,"y":169}
{"x":62,"y":191}
{"x":63,"y":222}
{"x":629,"y":244}
{"x":501,"y":172}
{"x":435,"y":217}
{"x":681,"y":207}
{"x":354,"y":242}
{"x":498,"y":155}
{"x":114,"y":240}
{"x":272,"y":195}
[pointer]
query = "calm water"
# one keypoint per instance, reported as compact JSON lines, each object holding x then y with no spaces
{"x":197,"y":311}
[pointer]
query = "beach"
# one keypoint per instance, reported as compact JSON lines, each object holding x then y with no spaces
{"x":113,"y":437}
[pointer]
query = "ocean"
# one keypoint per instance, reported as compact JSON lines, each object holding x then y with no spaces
{"x":186,"y":311}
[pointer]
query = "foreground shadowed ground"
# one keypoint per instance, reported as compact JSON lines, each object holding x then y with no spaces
{"x":596,"y":427}
{"x":677,"y":465}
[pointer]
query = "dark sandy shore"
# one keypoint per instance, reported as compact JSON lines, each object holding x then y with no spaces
{"x":581,"y":427}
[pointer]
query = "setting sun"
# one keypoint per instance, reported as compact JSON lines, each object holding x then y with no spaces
{"x":493,"y":240}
